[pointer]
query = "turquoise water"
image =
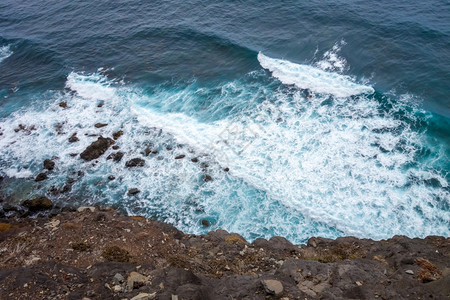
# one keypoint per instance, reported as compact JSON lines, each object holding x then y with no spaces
{"x":319,"y":119}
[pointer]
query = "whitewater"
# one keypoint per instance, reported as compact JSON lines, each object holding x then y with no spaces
{"x":291,"y":149}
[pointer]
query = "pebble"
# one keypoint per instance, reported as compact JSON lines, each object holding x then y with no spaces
{"x":272,"y":287}
{"x":83,"y":208}
{"x":410,"y":272}
{"x":137,"y":278}
{"x":118,"y":278}
{"x":144,"y":296}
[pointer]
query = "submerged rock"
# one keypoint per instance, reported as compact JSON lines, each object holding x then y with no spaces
{"x":38,"y":203}
{"x":73,"y":138}
{"x":100,"y":125}
{"x":180,"y":156}
{"x":115,"y":156}
{"x":135,"y":162}
{"x":40,"y":177}
{"x":96,"y":149}
{"x":117,"y":134}
{"x":133,"y":191}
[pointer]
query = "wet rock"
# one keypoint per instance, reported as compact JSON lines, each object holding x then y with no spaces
{"x":147,"y":151}
{"x":133,"y":191}
{"x":100,"y":125}
{"x":205,"y":222}
{"x":96,"y":149}
{"x":73,"y":138}
{"x":117,"y":156}
{"x":180,"y":156}
{"x":135,"y":162}
{"x":135,"y":280}
{"x":226,"y":169}
{"x":195,"y":159}
{"x":111,"y":177}
{"x":207,"y":178}
{"x":115,"y":147}
{"x":272,"y":287}
{"x":62,"y":104}
{"x":49,"y":164}
{"x":204,"y":165}
{"x":169,"y":148}
{"x":40,"y":177}
{"x":117,"y":134}
{"x":38,"y":203}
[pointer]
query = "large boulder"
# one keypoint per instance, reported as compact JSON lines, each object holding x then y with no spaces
{"x":38,"y":203}
{"x":97,"y":148}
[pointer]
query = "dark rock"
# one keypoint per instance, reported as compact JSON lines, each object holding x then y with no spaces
{"x":135,"y":162}
{"x":38,"y":203}
{"x":147,"y":151}
{"x":180,"y":156}
{"x":205,"y":222}
{"x":100,"y":125}
{"x":204,"y":165}
{"x":62,"y":104}
{"x":115,"y":156}
{"x":40,"y":177}
{"x":111,"y":177}
{"x":73,"y":138}
{"x":195,"y":159}
{"x":226,"y":169}
{"x":49,"y":164}
{"x":115,"y":147}
{"x":207,"y":178}
{"x":117,"y":134}
{"x":96,"y":149}
{"x":133,"y":191}
{"x":168,"y":148}
{"x":280,"y":243}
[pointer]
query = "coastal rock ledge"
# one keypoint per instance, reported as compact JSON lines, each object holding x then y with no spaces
{"x":98,"y":253}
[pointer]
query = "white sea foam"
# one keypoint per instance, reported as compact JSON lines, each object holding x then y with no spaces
{"x":298,"y":167}
{"x":332,"y":61}
{"x":5,"y":52}
{"x":314,"y":79}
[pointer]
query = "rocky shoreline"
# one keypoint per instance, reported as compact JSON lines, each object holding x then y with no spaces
{"x":98,"y":253}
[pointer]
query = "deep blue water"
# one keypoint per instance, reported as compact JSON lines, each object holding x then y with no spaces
{"x":333,"y":117}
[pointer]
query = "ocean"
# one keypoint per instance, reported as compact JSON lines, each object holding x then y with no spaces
{"x":264,"y":118}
